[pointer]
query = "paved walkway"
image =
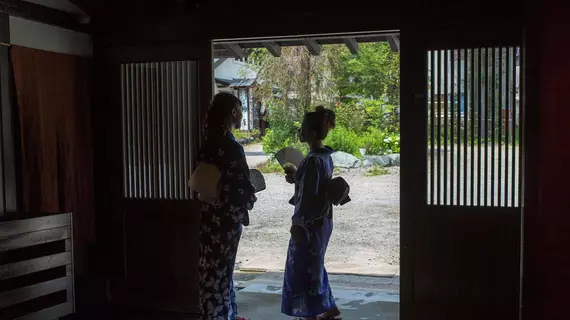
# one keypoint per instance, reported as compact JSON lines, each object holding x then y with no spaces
{"x":254,"y":155}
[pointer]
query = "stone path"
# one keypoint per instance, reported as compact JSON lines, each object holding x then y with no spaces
{"x":254,"y":155}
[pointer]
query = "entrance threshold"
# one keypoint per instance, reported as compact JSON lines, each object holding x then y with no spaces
{"x":358,"y":297}
{"x":345,"y":287}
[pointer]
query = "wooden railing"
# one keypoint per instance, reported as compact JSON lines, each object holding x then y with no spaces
{"x":36,"y":267}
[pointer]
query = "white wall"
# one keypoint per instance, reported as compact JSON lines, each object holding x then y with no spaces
{"x":45,"y":37}
{"x":62,"y":5}
{"x":230,"y":69}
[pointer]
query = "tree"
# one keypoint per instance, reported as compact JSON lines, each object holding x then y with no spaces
{"x":295,"y":82}
{"x":297,"y":78}
{"x":371,"y":73}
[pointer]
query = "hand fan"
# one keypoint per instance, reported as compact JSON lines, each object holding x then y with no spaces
{"x":289,"y":155}
{"x":257,"y":180}
{"x":205,"y":180}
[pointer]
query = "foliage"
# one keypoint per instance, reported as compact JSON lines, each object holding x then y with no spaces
{"x":376,"y":170}
{"x":297,"y":78}
{"x":271,"y":166}
{"x":372,"y":73}
{"x":381,"y":115}
{"x":351,"y":115}
{"x":343,"y":139}
{"x":375,"y":142}
{"x":283,"y":131}
{"x":363,"y":89}
{"x":252,"y":135}
{"x":275,"y":140}
{"x":378,"y":142}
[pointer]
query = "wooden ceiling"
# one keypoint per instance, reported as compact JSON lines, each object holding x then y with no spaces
{"x":239,"y":48}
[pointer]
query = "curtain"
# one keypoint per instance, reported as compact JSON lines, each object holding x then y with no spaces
{"x":53,"y":95}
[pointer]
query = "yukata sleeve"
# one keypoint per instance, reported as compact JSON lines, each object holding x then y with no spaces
{"x":306,"y":203}
{"x":238,"y":192}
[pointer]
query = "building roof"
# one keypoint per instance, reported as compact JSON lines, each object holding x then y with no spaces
{"x":223,"y":81}
{"x":236,"y":83}
{"x":242,"y":83}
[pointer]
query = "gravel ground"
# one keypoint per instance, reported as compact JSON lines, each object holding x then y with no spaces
{"x":366,"y":235}
{"x":365,"y":239}
{"x":496,"y":172}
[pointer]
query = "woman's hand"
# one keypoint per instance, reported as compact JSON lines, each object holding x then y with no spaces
{"x":298,"y":234}
{"x":290,"y":171}
{"x":290,"y":178}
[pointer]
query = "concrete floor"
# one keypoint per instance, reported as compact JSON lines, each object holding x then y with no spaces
{"x":358,"y":297}
{"x":266,"y":306}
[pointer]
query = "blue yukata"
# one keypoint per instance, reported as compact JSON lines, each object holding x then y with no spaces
{"x":221,"y":227}
{"x":306,"y":288}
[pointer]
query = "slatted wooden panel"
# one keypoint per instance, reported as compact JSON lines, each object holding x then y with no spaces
{"x":36,"y":266}
{"x":474,"y":127}
{"x":158,"y":102}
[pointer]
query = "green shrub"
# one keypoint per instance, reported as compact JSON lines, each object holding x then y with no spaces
{"x":241,"y":135}
{"x":271,"y":166}
{"x":343,"y":139}
{"x":378,"y":142}
{"x":376,"y":170}
{"x":275,"y":140}
{"x":350,"y":115}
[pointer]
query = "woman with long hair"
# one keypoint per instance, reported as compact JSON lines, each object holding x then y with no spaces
{"x":222,"y":220}
{"x":306,"y":290}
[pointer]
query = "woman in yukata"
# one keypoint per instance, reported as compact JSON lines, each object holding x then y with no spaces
{"x":222,"y":220}
{"x":306,"y":290}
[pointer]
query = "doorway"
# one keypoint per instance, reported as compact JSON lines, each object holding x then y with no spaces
{"x":448,"y":250}
{"x":357,"y":75}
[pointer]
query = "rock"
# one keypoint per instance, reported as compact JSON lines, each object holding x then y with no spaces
{"x":383,"y":161}
{"x":345,"y":160}
{"x":366,"y":163}
{"x":395,"y":158}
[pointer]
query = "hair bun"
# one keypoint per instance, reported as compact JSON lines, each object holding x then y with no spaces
{"x":326,"y":114}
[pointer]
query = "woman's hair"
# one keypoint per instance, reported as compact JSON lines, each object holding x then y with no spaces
{"x":221,"y":107}
{"x":320,"y":122}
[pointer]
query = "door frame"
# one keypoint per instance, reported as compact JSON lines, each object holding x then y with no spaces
{"x":412,"y":89}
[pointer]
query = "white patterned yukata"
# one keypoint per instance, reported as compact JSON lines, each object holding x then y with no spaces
{"x":221,"y":227}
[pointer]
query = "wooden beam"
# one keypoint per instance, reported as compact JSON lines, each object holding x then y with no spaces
{"x":39,"y":13}
{"x":218,"y":62}
{"x":352,"y":45}
{"x":313,"y":46}
{"x":394,"y":41}
{"x":273,"y":48}
{"x":235,"y":50}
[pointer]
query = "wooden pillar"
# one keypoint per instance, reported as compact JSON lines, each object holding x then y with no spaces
{"x":546,"y":278}
{"x":9,"y":151}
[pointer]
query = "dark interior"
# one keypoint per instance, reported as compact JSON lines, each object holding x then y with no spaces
{"x":61,"y":120}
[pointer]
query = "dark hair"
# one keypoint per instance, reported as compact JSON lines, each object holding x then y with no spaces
{"x":320,"y":121}
{"x":220,"y":108}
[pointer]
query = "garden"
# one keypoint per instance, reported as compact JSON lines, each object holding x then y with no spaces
{"x":362,"y":89}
